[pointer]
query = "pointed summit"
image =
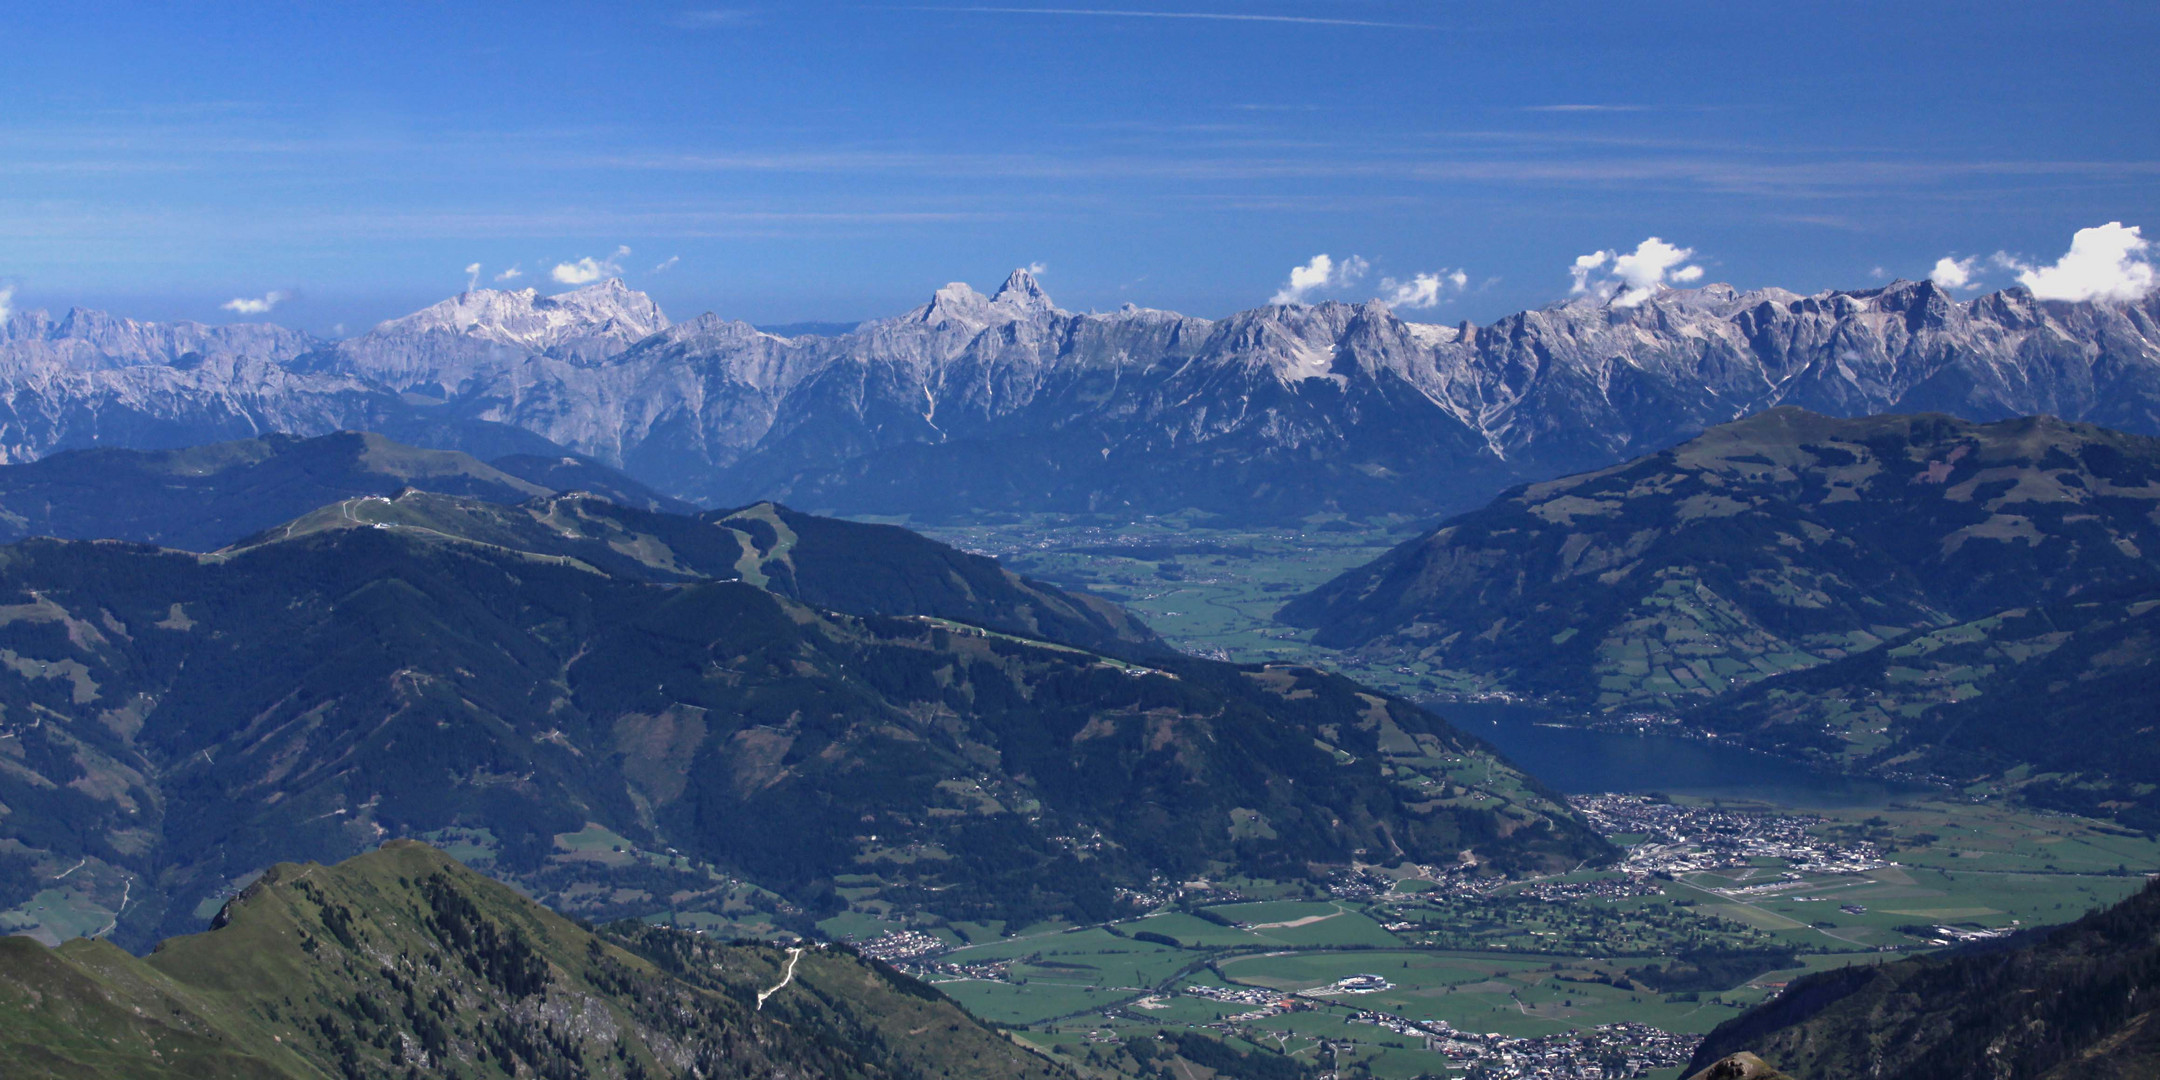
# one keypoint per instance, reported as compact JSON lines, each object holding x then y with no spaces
{"x":1022,"y":290}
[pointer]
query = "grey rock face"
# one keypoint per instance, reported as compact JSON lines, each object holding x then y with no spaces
{"x":1007,"y":401}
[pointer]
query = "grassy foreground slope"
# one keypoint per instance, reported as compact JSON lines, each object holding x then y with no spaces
{"x":2076,"y":1001}
{"x":403,"y":963}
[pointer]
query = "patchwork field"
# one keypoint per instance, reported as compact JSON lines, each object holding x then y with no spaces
{"x":1552,"y":959}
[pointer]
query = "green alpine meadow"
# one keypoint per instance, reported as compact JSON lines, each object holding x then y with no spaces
{"x":402,"y":962}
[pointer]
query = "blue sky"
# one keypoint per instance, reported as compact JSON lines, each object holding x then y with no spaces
{"x":839,"y":161}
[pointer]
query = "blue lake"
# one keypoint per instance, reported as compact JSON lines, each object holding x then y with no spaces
{"x":1579,"y":762}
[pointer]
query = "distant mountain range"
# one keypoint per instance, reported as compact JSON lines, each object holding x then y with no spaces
{"x":742,"y":708}
{"x":1006,"y":401}
{"x":1902,"y":593}
{"x":402,"y":962}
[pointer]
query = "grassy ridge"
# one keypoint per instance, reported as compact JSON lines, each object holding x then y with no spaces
{"x":404,"y":963}
{"x":205,"y":497}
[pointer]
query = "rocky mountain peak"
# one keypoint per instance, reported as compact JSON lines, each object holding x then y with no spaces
{"x":957,"y":302}
{"x":611,"y":302}
{"x":524,"y":318}
{"x":87,"y":339}
{"x":1022,"y":290}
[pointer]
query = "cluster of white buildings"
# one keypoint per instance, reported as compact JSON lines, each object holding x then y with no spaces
{"x":902,"y":945}
{"x":1621,"y":888}
{"x":1238,"y":995}
{"x":1684,"y":839}
{"x":1608,"y":1052}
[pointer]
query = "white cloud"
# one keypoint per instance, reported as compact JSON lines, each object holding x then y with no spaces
{"x":7,"y":302}
{"x":260,"y":305}
{"x":667,"y":265}
{"x":1647,"y":267}
{"x":472,"y":277}
{"x":1584,"y":266}
{"x":511,"y":274}
{"x":1422,"y":290}
{"x":1952,"y":273}
{"x":1038,"y":269}
{"x":2106,"y":262}
{"x":1322,"y":272}
{"x":587,"y":270}
{"x":1637,"y":275}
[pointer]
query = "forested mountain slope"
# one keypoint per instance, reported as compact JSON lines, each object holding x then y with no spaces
{"x":2072,"y":1003}
{"x":1770,"y":544}
{"x":175,"y":723}
{"x":1912,"y":594}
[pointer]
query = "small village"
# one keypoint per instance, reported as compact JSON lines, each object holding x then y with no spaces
{"x":1608,"y":1052}
{"x":1678,"y":839}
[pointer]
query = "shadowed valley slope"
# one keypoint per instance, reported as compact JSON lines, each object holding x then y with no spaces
{"x":858,"y":702}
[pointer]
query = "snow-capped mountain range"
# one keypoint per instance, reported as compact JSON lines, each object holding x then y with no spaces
{"x":1007,"y":401}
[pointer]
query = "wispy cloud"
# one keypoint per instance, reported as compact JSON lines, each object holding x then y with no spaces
{"x":260,"y":305}
{"x":666,"y":265}
{"x":587,"y":270}
{"x":511,"y":274}
{"x":1585,"y":108}
{"x":1733,"y":171}
{"x":1213,"y":16}
{"x":472,"y":277}
{"x":708,"y":18}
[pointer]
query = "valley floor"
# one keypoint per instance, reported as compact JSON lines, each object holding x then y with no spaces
{"x":1399,"y":972}
{"x":1211,"y":591}
{"x":1536,"y":971}
{"x":1397,"y":975}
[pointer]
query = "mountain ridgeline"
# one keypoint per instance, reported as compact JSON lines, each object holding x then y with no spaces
{"x":402,"y":962}
{"x":1006,"y":401}
{"x":785,"y":701}
{"x":1907,"y":593}
{"x":204,"y":497}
